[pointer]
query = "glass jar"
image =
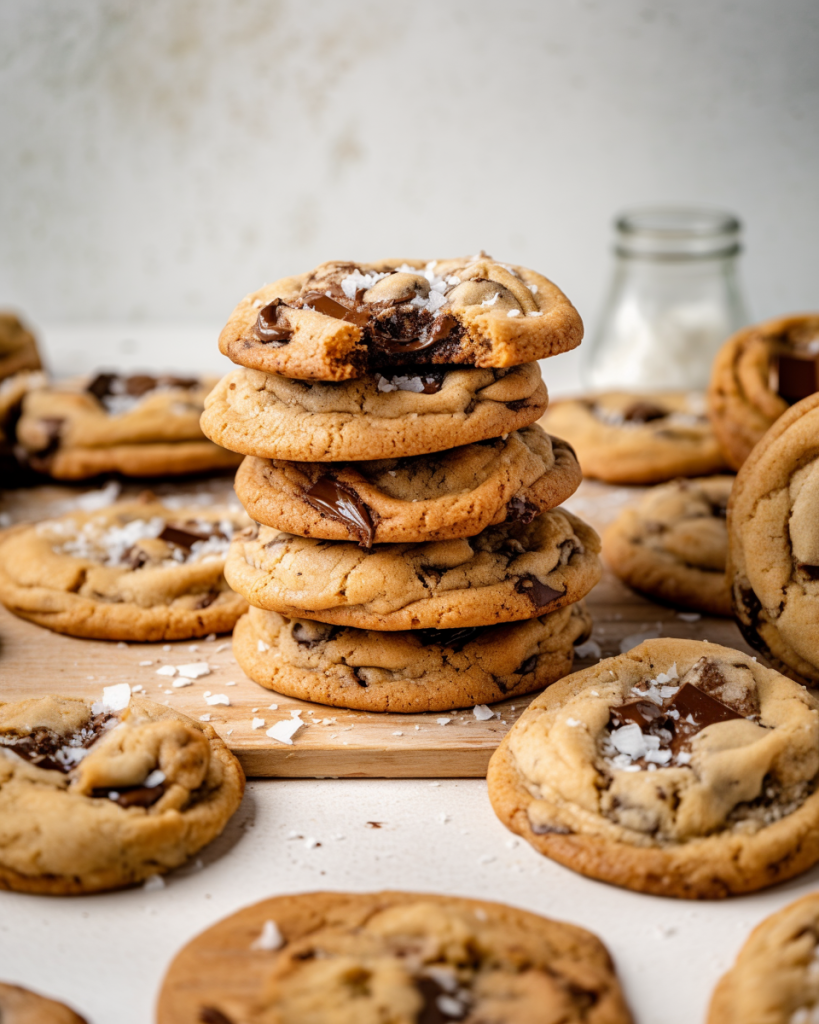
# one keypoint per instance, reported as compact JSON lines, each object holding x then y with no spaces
{"x":674,"y":299}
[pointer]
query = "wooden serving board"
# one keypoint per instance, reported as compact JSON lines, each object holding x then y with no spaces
{"x":334,"y":743}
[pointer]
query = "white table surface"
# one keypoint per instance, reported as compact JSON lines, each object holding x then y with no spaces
{"x":107,"y":954}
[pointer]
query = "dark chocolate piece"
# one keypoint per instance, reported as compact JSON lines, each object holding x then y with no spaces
{"x":206,"y":600}
{"x":135,"y":385}
{"x":131,"y":796}
{"x":540,"y":594}
{"x":456,"y":639}
{"x":184,"y":538}
{"x":269,"y":328}
{"x":642,"y":712}
{"x":431,"y":1012}
{"x":528,"y":666}
{"x":210,"y":1015}
{"x":100,"y":386}
{"x":811,"y":571}
{"x":430,"y":381}
{"x":794,"y":375}
{"x":545,"y":830}
{"x":704,"y":709}
{"x":322,"y":303}
{"x":40,"y":746}
{"x":644,"y":412}
{"x":340,"y":502}
{"x":520,"y":510}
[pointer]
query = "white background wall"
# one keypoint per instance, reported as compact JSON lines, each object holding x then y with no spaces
{"x":160,"y":158}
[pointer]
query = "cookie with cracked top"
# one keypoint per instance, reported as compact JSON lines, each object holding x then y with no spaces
{"x":626,"y":438}
{"x":137,"y":570}
{"x":137,"y":425}
{"x":757,"y":375}
{"x":345,"y":320}
{"x":409,"y":671}
{"x":22,"y":1006}
{"x":18,"y":347}
{"x":509,"y":572}
{"x":397,"y":414}
{"x":773,"y":534}
{"x":100,"y":795}
{"x":681,"y":768}
{"x":391,"y":956}
{"x":672,"y":545}
{"x":455,"y":493}
{"x":774,"y":979}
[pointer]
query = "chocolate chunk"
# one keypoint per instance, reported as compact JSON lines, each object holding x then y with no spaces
{"x":340,"y":502}
{"x":206,"y":600}
{"x":100,"y":386}
{"x":642,"y":712}
{"x":318,"y":634}
{"x":794,"y":375}
{"x":435,"y":996}
{"x":644,"y":412}
{"x":41,"y":746}
{"x":443,"y":327}
{"x":210,"y":1015}
{"x":184,"y":538}
{"x":528,"y":666}
{"x":540,"y":594}
{"x":545,"y":830}
{"x":428,"y":382}
{"x":517,"y":405}
{"x":322,"y":303}
{"x":270,"y":327}
{"x":811,"y":571}
{"x":131,"y":796}
{"x":135,"y":558}
{"x":704,"y":710}
{"x":455,"y":639}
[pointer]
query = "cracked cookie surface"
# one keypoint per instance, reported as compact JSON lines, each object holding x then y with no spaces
{"x":101,"y":795}
{"x":137,"y":425}
{"x":379,"y":417}
{"x":625,"y":438}
{"x":773,"y":530}
{"x":757,"y":375}
{"x":409,"y":671}
{"x":456,"y":493}
{"x":775,"y":979}
{"x":509,"y":572}
{"x":133,"y":571}
{"x":21,"y":1006}
{"x":367,"y":958}
{"x":345,"y":320}
{"x":680,"y":769}
{"x":673,"y":544}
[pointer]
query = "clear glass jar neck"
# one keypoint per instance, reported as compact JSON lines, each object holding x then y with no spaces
{"x":676,"y":235}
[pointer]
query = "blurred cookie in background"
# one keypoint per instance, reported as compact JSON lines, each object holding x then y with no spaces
{"x":672,"y":545}
{"x":773,"y":534}
{"x":18,"y":346}
{"x":757,"y":375}
{"x":21,"y":1006}
{"x":626,"y":438}
{"x":14,"y":468}
{"x":137,"y":425}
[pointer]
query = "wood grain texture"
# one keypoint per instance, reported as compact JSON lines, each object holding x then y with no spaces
{"x":334,"y":743}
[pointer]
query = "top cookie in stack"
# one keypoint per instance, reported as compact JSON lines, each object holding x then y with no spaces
{"x":393,"y":404}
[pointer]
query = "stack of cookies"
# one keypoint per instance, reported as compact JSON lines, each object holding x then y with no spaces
{"x":409,"y":552}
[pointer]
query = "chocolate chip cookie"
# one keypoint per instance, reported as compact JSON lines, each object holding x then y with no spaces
{"x":379,"y":417}
{"x":20,"y":1006}
{"x":391,"y":956}
{"x":514,"y":571}
{"x":625,"y":438}
{"x":775,"y":979}
{"x":758,"y":374}
{"x":773,"y":532}
{"x":680,"y":769}
{"x":345,"y":320}
{"x":138,"y":426}
{"x":410,"y":671}
{"x":672,"y":545}
{"x":455,"y":493}
{"x":101,"y":795}
{"x":18,"y":347}
{"x":133,"y":571}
